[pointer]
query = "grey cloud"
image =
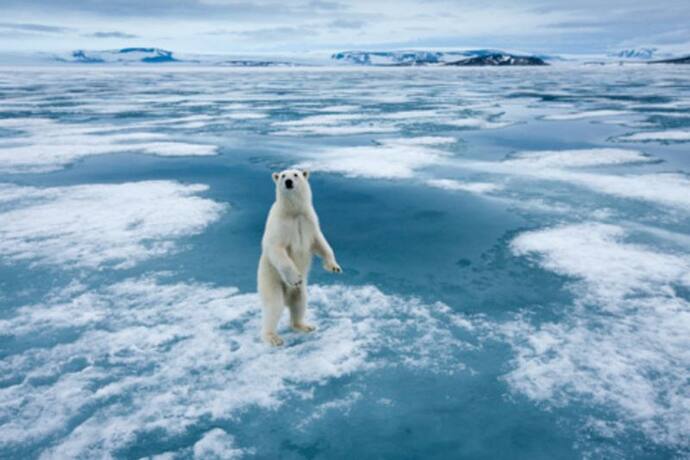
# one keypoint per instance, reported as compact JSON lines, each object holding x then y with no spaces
{"x":326,"y":5}
{"x":346,"y":24}
{"x":184,"y":9}
{"x":113,"y":34}
{"x":587,"y":25}
{"x":276,"y":33}
{"x":40,"y":28}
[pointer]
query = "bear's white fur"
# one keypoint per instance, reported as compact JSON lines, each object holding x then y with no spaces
{"x":291,"y":237}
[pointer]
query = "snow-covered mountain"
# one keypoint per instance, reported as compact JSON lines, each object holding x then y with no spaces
{"x":253,"y":63}
{"x":120,"y":56}
{"x":680,"y":60}
{"x":133,"y":56}
{"x":499,"y":60}
{"x":415,"y":57}
{"x":635,"y":53}
{"x":153,"y":55}
{"x":388,"y":57}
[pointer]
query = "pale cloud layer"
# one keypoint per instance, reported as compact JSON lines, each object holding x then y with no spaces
{"x":265,"y":26}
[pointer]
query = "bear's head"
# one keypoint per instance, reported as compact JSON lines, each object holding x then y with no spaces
{"x":292,"y":187}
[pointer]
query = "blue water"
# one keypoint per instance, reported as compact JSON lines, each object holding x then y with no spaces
{"x":515,"y":246}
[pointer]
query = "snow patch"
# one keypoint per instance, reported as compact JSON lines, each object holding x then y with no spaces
{"x":217,"y":445}
{"x":576,"y":158}
{"x":97,"y":225}
{"x":472,"y":187}
{"x":388,"y":159}
{"x":337,"y":124}
{"x":45,"y":145}
{"x":148,"y":357}
{"x":585,"y":114}
{"x":476,"y":123}
{"x":664,"y":136}
{"x":336,"y":130}
{"x":668,"y":189}
{"x":624,"y":345}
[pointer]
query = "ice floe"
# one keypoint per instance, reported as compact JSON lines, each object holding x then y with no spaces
{"x":678,"y":135}
{"x":472,"y":187}
{"x":45,"y":145}
{"x":339,"y":108}
{"x":477,"y":123}
{"x":576,"y":158}
{"x":585,"y":114}
{"x":337,"y":124}
{"x":387,"y":159}
{"x":367,"y":121}
{"x":669,"y":189}
{"x":625,"y":343}
{"x":97,"y":225}
{"x":216,"y":444}
{"x":323,"y":130}
{"x":95,"y":369}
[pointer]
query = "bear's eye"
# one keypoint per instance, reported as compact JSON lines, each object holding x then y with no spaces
{"x":283,"y":176}
{"x":295,"y":175}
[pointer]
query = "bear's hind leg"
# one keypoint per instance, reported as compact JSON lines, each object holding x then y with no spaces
{"x":272,"y":302}
{"x":297,"y":302}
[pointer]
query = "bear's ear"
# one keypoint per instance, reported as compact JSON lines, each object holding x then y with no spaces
{"x":276,"y":176}
{"x":305,"y":173}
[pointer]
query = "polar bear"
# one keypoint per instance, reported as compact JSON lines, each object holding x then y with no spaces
{"x":291,"y":236}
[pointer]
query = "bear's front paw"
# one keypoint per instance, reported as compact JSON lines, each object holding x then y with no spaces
{"x":332,"y":266}
{"x":273,"y":339}
{"x":293,"y":279}
{"x":301,"y":327}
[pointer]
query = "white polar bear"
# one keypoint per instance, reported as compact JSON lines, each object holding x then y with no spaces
{"x":291,"y":236}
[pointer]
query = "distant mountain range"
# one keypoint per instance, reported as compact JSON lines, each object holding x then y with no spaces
{"x":129,"y":56}
{"x":635,"y":53}
{"x":478,"y":57}
{"x":460,"y":58}
{"x":500,"y":60}
{"x":681,"y":60}
{"x":650,"y":55}
{"x":253,"y":63}
{"x":121,"y":56}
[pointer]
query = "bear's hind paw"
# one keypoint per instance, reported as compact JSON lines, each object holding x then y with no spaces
{"x":273,"y":339}
{"x":304,"y":328}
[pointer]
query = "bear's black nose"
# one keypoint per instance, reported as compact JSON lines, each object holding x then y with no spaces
{"x":288,"y":183}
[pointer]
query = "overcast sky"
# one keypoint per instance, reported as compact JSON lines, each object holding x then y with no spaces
{"x":273,"y":26}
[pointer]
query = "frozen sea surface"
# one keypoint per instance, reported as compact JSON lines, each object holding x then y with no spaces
{"x":516,"y":247}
